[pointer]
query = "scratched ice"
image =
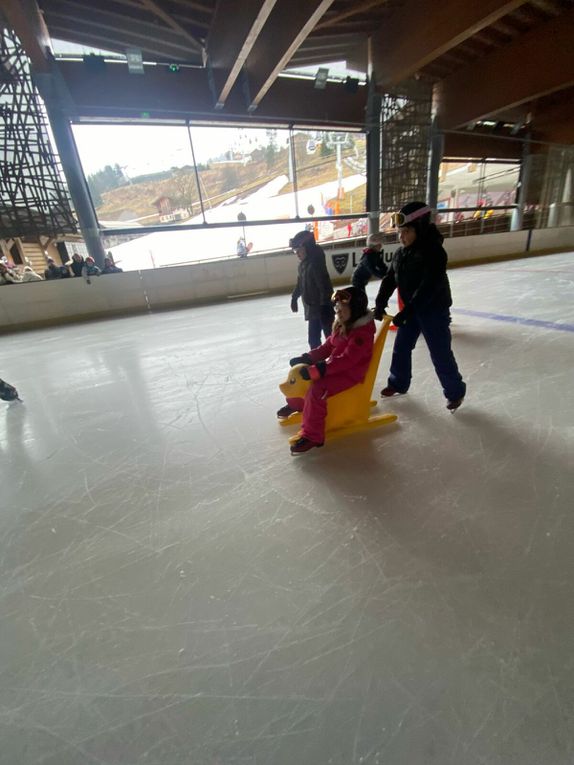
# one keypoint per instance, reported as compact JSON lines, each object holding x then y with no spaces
{"x":176,"y":588}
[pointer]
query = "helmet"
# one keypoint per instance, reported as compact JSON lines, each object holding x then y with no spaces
{"x":416,"y":214}
{"x":355,"y":298}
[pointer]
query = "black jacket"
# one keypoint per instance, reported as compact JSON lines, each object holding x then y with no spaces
{"x":419,"y":272}
{"x":313,"y":283}
{"x":77,"y":266}
{"x":372,"y":263}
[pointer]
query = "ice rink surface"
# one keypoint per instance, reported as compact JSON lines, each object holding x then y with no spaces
{"x":175,"y":588}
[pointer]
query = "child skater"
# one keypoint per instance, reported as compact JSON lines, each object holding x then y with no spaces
{"x":313,"y":286}
{"x":418,"y":270}
{"x":372,"y":263}
{"x":341,"y":362}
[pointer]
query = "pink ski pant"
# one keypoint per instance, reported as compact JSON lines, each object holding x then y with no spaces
{"x":314,"y":405}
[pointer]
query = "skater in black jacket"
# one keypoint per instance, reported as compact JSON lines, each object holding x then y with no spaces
{"x":372,"y":264}
{"x":418,"y":269}
{"x":313,"y":287}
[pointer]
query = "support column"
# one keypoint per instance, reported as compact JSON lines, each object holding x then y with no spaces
{"x":517,"y":218}
{"x":57,"y":108}
{"x":25,"y":18}
{"x":435,"y":158}
{"x":373,"y":126}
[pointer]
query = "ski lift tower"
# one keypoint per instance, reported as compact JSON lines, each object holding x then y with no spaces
{"x":339,"y":141}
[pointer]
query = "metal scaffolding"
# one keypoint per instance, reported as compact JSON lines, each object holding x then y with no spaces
{"x":34,"y":199}
{"x":406,"y":132}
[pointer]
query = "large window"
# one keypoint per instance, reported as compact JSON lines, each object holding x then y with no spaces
{"x":139,"y":175}
{"x":143,"y":175}
{"x":199,"y":179}
{"x":244,"y":172}
{"x":480,"y":185}
{"x":331,"y":172}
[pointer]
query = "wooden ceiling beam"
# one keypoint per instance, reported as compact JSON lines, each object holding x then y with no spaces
{"x":548,"y":6}
{"x":152,"y":6}
{"x":115,"y":94}
{"x":553,"y":117}
{"x":67,"y":16}
{"x":108,"y":5}
{"x":25,"y":19}
{"x":533,"y":65}
{"x":101,"y":40}
{"x":196,"y":6}
{"x":412,"y":37}
{"x":288,"y":26}
{"x":357,"y":8}
{"x":478,"y":145}
{"x":229,"y":45}
{"x":191,"y":22}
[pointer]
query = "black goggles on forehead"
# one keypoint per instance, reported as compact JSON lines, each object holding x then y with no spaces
{"x":341,"y":296}
{"x":399,"y":219}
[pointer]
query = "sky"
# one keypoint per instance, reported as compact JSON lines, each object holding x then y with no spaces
{"x":141,"y":149}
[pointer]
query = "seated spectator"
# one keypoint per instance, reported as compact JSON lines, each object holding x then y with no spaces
{"x":76,"y":264}
{"x":8,"y":275}
{"x":90,"y":269}
{"x":110,"y":267}
{"x":30,"y":275}
{"x":54,"y":271}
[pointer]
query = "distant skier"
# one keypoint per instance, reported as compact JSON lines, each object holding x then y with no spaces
{"x":242,"y":249}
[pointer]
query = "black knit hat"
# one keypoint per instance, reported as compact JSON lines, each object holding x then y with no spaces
{"x":301,"y":239}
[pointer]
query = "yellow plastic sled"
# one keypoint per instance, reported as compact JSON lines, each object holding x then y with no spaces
{"x":349,"y":411}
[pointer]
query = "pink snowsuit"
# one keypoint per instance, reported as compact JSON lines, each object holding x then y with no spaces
{"x":348,"y":358}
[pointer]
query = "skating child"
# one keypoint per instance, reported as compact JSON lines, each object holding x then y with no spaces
{"x":341,"y":362}
{"x":313,"y":286}
{"x":372,"y":263}
{"x":418,"y":270}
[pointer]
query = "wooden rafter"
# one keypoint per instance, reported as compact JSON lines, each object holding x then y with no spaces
{"x":152,"y":6}
{"x":354,"y":11}
{"x":546,"y":65}
{"x":196,"y":6}
{"x":247,"y":45}
{"x":70,"y":19}
{"x":100,"y":39}
{"x":280,"y":41}
{"x":400,"y":49}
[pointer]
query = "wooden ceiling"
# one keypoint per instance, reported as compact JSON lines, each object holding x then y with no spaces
{"x":501,"y":60}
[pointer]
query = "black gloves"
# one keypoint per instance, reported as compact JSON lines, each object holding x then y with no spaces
{"x":402,"y":316}
{"x":320,"y":366}
{"x":379,"y":312}
{"x":294,"y":306}
{"x":304,"y":359}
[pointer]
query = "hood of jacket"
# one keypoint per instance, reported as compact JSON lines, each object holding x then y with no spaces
{"x":363,"y":320}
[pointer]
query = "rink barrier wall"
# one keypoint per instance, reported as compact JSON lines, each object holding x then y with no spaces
{"x":36,"y":304}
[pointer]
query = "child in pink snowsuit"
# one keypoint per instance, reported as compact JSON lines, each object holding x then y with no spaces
{"x":341,"y":362}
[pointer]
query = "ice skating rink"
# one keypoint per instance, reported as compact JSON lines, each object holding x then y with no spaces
{"x":176,"y":589}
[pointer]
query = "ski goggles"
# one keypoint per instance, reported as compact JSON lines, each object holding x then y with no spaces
{"x":399,"y":219}
{"x":341,"y":296}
